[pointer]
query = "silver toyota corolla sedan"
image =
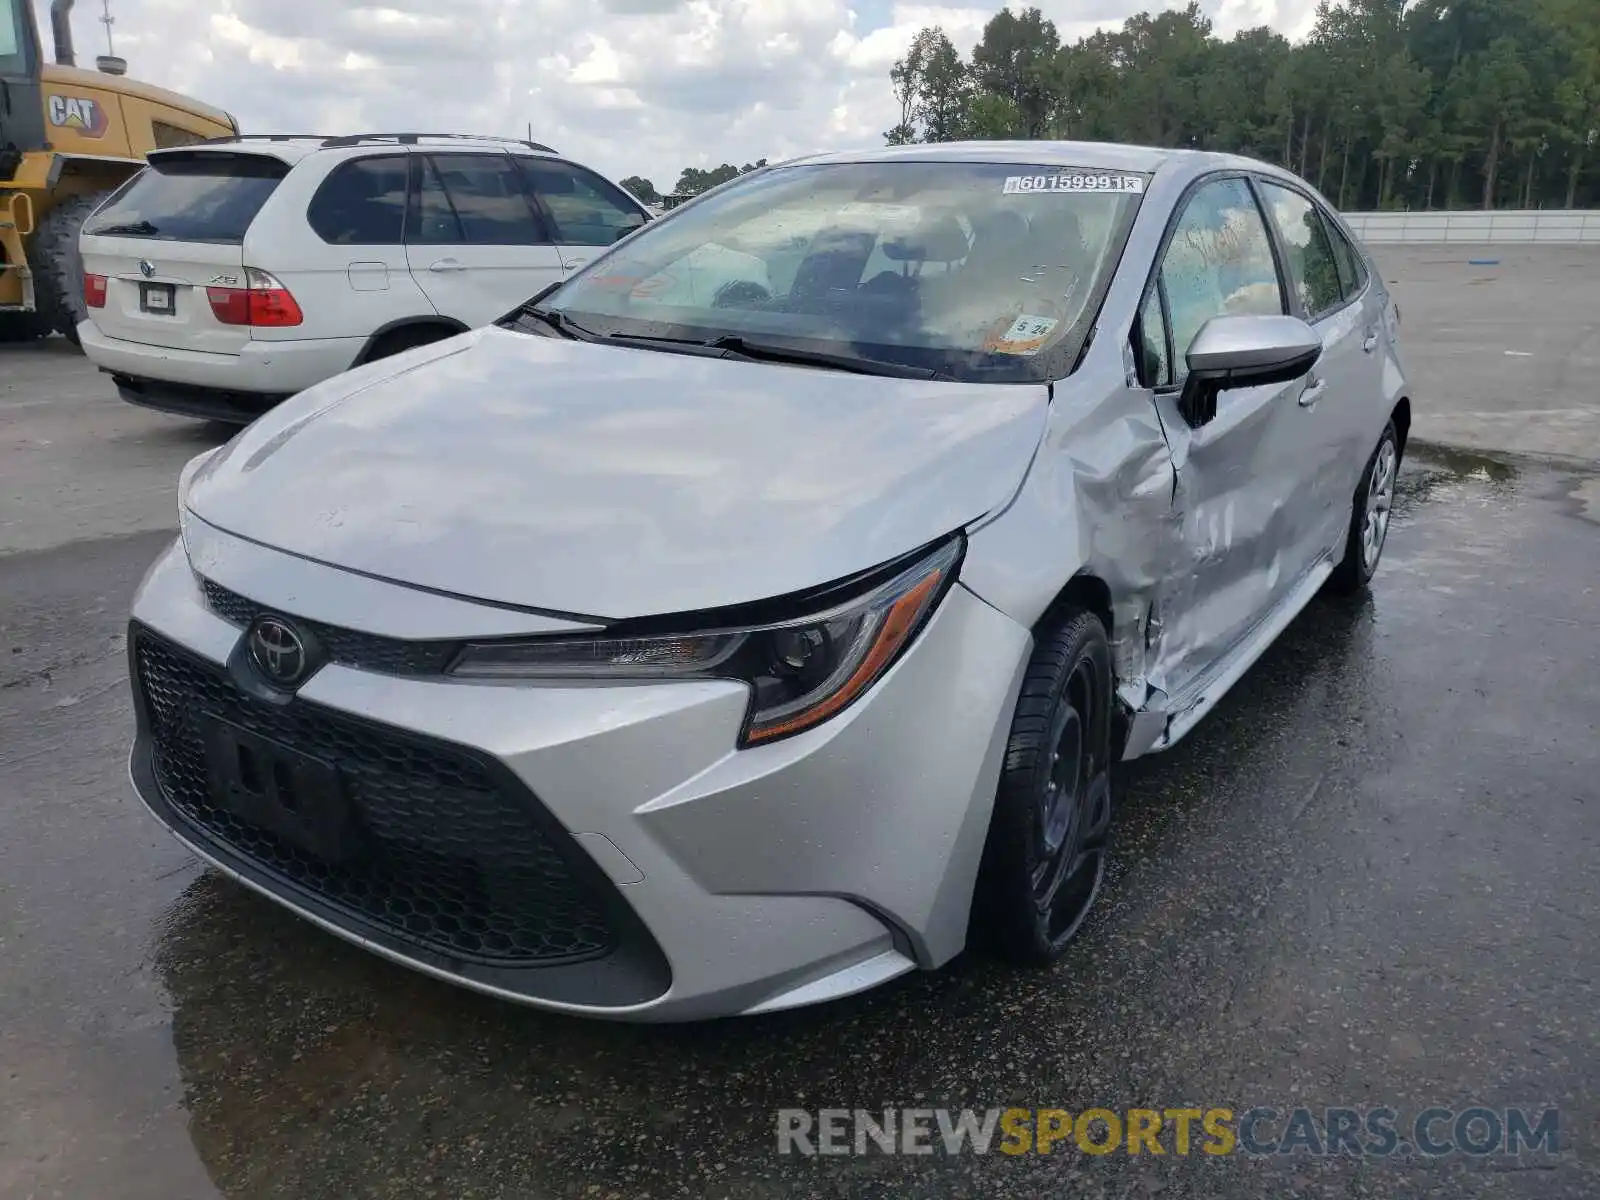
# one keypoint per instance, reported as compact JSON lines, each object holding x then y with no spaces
{"x":755,"y":616}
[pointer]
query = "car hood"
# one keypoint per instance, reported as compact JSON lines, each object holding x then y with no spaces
{"x":614,"y":482}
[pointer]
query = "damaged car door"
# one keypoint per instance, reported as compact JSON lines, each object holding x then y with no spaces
{"x":1246,"y":458}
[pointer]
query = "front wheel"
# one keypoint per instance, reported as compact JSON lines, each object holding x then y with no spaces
{"x":1046,"y":852}
{"x":1370,"y":511}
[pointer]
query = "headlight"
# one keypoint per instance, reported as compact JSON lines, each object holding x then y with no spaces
{"x":800,"y":671}
{"x":185,"y":482}
{"x":190,"y":469}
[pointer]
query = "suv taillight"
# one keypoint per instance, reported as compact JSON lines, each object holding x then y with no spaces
{"x":263,"y":301}
{"x":94,"y":290}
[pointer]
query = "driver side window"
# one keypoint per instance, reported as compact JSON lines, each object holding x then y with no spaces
{"x":1219,"y":263}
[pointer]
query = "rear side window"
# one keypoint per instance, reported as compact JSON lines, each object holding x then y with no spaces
{"x":362,"y":203}
{"x":202,"y":197}
{"x":474,"y":200}
{"x":1352,"y":274}
{"x":586,"y":210}
{"x":1311,"y":264}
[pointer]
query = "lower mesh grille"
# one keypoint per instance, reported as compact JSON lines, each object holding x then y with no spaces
{"x":443,"y":850}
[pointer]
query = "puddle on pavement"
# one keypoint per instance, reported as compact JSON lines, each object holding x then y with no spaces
{"x":1463,"y":464}
{"x":1432,"y":472}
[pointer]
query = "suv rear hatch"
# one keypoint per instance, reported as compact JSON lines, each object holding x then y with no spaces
{"x":171,"y":232}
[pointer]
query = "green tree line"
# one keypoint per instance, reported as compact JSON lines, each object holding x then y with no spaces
{"x":1387,"y":104}
{"x":691,"y":182}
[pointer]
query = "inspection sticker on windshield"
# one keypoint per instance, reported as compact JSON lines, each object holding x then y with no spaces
{"x":1026,"y":336}
{"x":1074,"y":182}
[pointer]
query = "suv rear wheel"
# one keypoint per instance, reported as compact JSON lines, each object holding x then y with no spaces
{"x":408,"y":337}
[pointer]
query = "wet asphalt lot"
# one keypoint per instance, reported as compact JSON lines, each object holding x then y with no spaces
{"x":1370,"y":878}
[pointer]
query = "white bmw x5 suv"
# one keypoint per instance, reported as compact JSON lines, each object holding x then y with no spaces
{"x":230,"y":275}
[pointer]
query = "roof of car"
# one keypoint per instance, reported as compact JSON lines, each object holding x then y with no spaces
{"x":292,"y":147}
{"x":1113,"y":156}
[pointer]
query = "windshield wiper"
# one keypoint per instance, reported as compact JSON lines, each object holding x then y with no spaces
{"x":737,"y":346}
{"x":130,"y":229}
{"x":698,"y":347}
{"x":555,"y":319}
{"x":858,"y":364}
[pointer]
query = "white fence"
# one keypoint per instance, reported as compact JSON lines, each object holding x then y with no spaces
{"x":1504,"y":227}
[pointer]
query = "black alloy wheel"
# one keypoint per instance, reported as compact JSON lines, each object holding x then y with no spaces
{"x":1048,"y":839}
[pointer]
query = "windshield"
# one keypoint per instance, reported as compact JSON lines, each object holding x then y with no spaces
{"x":199,"y":197}
{"x":979,"y":271}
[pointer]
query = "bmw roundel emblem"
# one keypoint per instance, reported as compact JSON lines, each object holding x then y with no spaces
{"x":278,"y":651}
{"x":147,"y":268}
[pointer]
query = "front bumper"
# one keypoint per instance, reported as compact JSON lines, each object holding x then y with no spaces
{"x":730,"y":881}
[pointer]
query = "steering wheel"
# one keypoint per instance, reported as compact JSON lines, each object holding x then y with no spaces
{"x":741,"y":293}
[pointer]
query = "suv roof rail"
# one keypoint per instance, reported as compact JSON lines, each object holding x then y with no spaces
{"x":252,"y":137}
{"x":411,"y":139}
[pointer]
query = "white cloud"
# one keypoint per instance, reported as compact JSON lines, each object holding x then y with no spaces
{"x":629,"y":86}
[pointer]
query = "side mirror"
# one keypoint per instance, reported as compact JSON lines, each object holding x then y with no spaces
{"x":1245,"y":351}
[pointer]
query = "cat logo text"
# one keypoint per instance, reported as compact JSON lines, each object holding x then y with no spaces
{"x":80,"y":114}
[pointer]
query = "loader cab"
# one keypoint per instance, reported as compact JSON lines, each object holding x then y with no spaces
{"x":21,"y":106}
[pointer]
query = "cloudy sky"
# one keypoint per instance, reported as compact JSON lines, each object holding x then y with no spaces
{"x":629,"y":86}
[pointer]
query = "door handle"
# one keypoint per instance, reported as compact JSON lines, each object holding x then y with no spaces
{"x":1314,"y":392}
{"x":446,"y":264}
{"x":574,"y":263}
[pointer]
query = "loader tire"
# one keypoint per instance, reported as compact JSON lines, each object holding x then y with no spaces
{"x":58,"y":265}
{"x":22,"y":327}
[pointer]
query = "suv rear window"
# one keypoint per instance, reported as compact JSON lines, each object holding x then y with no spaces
{"x":204,"y":197}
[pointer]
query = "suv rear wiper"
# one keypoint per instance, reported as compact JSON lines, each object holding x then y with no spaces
{"x":129,"y":229}
{"x":738,"y":346}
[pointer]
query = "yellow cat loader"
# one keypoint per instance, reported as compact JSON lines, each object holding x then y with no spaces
{"x":68,"y":138}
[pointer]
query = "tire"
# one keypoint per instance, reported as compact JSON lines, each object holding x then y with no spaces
{"x":58,"y":264}
{"x":1046,"y":852}
{"x":1370,"y":510}
{"x":22,"y":327}
{"x":408,"y":337}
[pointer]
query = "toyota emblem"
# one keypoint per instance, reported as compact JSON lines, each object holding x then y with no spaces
{"x":147,"y":268}
{"x":278,"y":651}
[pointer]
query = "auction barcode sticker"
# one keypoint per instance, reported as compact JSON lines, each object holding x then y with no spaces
{"x":1074,"y":182}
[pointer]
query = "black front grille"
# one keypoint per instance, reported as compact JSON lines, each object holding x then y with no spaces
{"x":453,"y":854}
{"x":350,"y":647}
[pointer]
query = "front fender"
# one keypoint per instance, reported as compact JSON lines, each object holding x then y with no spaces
{"x":1097,"y":501}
